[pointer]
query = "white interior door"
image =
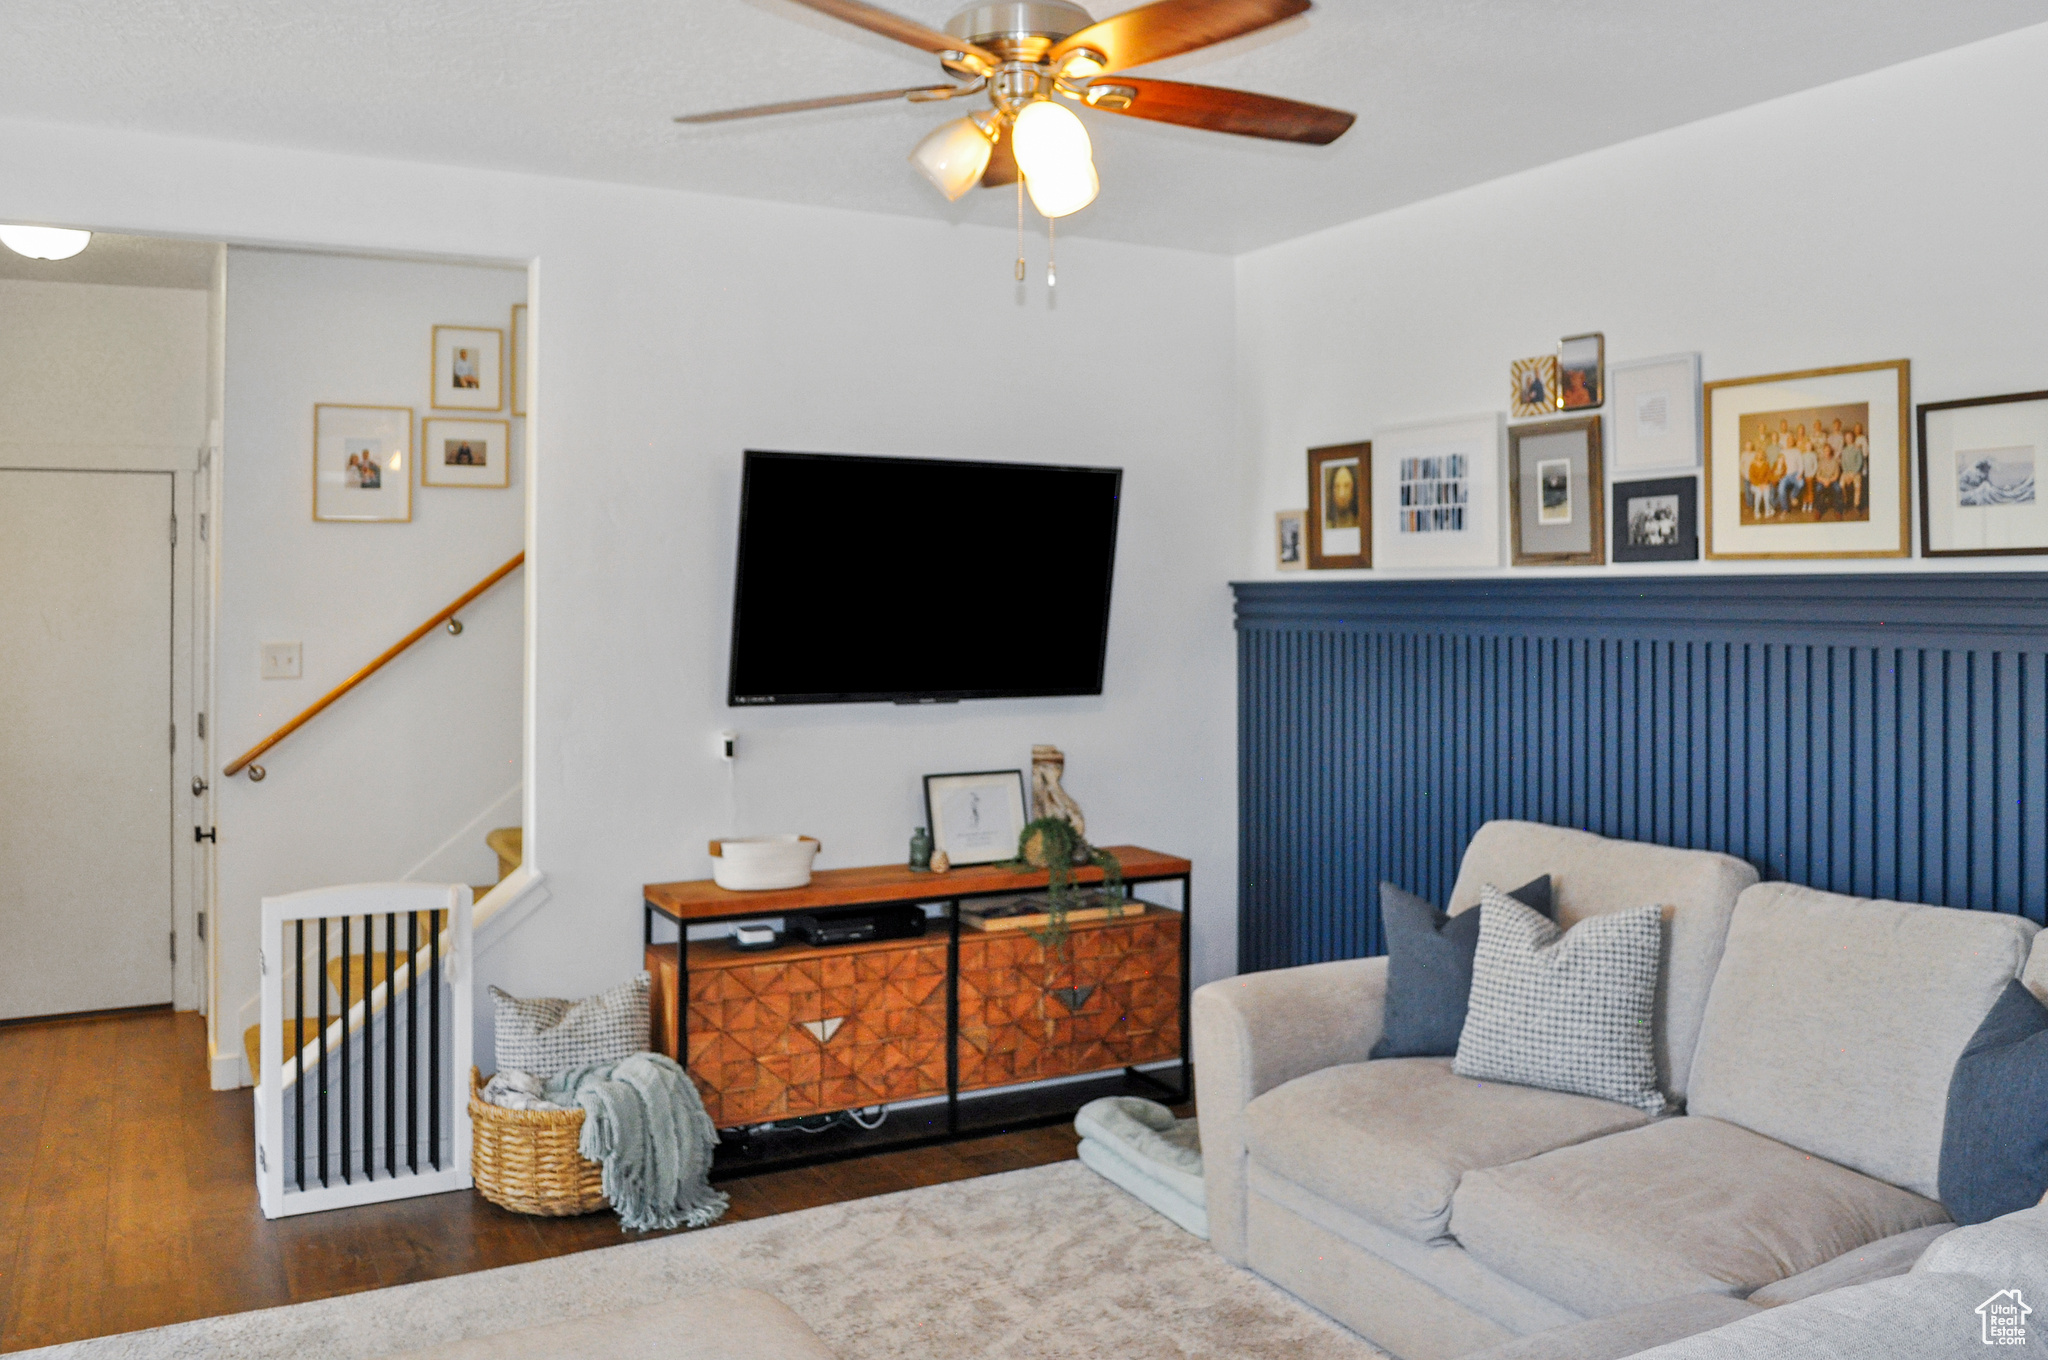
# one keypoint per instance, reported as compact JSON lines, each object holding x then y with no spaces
{"x":85,"y":740}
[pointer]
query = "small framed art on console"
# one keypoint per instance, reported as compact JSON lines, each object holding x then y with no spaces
{"x":975,"y":818}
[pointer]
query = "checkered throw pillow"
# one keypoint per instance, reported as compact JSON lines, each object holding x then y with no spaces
{"x":544,"y":1035}
{"x":1566,"y":1010}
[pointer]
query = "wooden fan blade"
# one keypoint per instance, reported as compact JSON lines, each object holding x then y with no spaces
{"x":1219,"y":110}
{"x":1170,"y":27}
{"x":1002,"y":162}
{"x":903,"y":30}
{"x":831,"y":101}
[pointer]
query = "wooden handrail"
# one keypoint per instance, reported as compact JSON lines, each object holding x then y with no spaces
{"x":366,"y":672}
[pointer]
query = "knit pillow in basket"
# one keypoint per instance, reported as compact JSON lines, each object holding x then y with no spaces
{"x":545,"y":1035}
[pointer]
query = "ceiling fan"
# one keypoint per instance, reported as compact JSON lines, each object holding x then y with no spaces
{"x":1031,"y":54}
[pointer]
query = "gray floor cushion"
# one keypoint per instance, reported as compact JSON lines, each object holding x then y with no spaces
{"x":1624,"y":1334}
{"x":1389,"y":1140}
{"x":726,"y":1324}
{"x":1683,"y":1206}
{"x":1141,"y":1146}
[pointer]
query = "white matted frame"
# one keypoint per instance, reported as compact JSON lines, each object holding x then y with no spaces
{"x":1978,"y":463}
{"x":475,"y":453}
{"x":1654,"y":408}
{"x":1436,"y":494}
{"x":353,"y":445}
{"x":469,"y":368}
{"x":975,"y":817}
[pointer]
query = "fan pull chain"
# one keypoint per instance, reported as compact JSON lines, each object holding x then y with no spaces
{"x":1020,"y":228}
{"x":1052,"y":252}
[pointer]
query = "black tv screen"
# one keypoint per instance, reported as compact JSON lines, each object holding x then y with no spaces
{"x":920,"y":580}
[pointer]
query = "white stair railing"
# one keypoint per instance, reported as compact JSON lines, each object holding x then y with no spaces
{"x":369,"y":1100}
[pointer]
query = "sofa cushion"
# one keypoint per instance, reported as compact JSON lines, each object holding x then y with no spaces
{"x":1880,"y":1260}
{"x":1834,"y":1023}
{"x":1568,"y":1011}
{"x":1994,"y":1145}
{"x":1682,"y":1206}
{"x":1429,"y":969}
{"x":2013,"y":1249}
{"x":2035,"y":975}
{"x":1388,"y":1140}
{"x":1591,"y":875}
{"x":1624,"y":1334}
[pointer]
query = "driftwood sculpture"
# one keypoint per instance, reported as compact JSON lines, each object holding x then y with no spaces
{"x":1048,"y":799}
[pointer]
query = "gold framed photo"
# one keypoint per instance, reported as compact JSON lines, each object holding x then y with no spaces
{"x":469,"y":368}
{"x":1532,"y":386}
{"x":1810,"y":464}
{"x":1340,"y":506}
{"x":465,"y":452}
{"x":518,"y":358}
{"x":1581,"y":371}
{"x":362,"y":464}
{"x":1290,"y":550}
{"x":1555,"y":481}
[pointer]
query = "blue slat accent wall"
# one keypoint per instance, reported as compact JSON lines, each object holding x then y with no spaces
{"x":1884,"y":735}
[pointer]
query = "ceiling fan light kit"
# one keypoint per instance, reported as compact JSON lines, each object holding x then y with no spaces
{"x":1028,"y":55}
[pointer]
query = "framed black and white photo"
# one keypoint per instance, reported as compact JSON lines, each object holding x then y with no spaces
{"x":1654,"y":413}
{"x":469,"y":368}
{"x":1978,"y":460}
{"x":465,"y":452}
{"x":1290,"y":553}
{"x":1555,"y":480}
{"x":1339,"y":507}
{"x":1657,"y":521}
{"x":362,"y":463}
{"x":1436,"y":494}
{"x":975,"y":818}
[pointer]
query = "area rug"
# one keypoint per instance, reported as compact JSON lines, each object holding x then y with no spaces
{"x":1043,"y":1264}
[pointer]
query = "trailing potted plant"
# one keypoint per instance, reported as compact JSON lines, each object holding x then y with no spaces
{"x":1053,"y":844}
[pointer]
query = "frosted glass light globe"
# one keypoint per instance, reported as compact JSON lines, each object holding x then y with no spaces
{"x":1056,"y":157}
{"x":954,"y":156}
{"x":44,"y":243}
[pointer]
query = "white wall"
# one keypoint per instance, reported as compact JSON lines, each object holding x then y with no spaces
{"x":672,"y":331}
{"x":113,"y":377}
{"x":378,"y":782}
{"x":1896,"y":215}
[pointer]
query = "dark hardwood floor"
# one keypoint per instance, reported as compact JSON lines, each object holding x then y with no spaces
{"x":128,"y":1194}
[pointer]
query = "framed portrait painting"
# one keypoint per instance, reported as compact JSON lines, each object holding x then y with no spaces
{"x":1809,"y":464}
{"x":1339,"y":506}
{"x":469,"y":368}
{"x":1655,"y":414}
{"x":465,"y":452}
{"x":1978,"y":460}
{"x":1290,"y":532}
{"x":518,"y":359}
{"x":362,"y":464}
{"x":1555,"y":481}
{"x":975,"y":818}
{"x":1657,"y":521}
{"x":1436,"y":493}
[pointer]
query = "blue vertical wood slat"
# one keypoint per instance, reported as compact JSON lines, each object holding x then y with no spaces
{"x":1907,"y":762}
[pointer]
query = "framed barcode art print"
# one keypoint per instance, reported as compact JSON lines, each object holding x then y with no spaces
{"x":1436,"y":494}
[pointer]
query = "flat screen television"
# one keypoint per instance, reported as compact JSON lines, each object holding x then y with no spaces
{"x":919,"y":580}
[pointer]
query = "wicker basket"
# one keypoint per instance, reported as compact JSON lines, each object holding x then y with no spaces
{"x":526,"y":1160}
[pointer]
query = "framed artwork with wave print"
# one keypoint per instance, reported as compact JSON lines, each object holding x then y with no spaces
{"x":1978,"y":461}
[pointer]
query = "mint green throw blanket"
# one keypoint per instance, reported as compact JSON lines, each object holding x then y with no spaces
{"x":647,"y":1127}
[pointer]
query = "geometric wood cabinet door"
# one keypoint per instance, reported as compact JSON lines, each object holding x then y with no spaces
{"x":1109,"y":998}
{"x":798,"y":1030}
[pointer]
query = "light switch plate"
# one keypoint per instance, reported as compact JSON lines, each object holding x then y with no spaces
{"x":281,"y":661}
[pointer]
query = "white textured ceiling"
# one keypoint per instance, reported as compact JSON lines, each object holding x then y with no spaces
{"x":1448,"y":92}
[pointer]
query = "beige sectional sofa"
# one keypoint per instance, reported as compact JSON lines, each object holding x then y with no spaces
{"x":1807,"y":1037}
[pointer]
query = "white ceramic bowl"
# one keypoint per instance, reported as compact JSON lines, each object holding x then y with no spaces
{"x":756,"y":863}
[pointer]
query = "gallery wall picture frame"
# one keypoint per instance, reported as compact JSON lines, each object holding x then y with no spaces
{"x":1657,"y":520}
{"x":1978,"y":461}
{"x":518,"y":358}
{"x":1813,"y":463}
{"x":1437,"y":496}
{"x":1532,"y":386}
{"x":1340,"y":506}
{"x":975,"y":817}
{"x":1290,"y":540}
{"x":1581,"y":371}
{"x":472,"y":453}
{"x":1654,"y":408}
{"x":362,"y":464}
{"x":469,"y":368}
{"x":1555,"y":481}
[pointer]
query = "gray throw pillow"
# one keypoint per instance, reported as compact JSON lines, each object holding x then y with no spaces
{"x":1429,"y":969}
{"x":1994,"y":1144}
{"x":1565,"y":1010}
{"x":546,"y":1035}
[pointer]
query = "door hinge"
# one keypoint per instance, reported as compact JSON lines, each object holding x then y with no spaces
{"x":202,"y":727}
{"x":201,"y":922}
{"x":262,"y":1162}
{"x":262,"y":964}
{"x":174,"y":739}
{"x":174,"y":946}
{"x":206,"y":835}
{"x":174,"y":531}
{"x":202,"y":527}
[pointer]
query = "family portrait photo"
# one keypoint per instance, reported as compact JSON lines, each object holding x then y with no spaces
{"x":465,"y":453}
{"x":1806,"y":466}
{"x":1653,"y":522}
{"x":363,"y":473}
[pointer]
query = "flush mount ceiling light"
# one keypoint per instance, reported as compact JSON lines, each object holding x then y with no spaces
{"x":1030,"y":54}
{"x":44,"y":243}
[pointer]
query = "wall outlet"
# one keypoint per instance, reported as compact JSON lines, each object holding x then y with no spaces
{"x":726,"y":745}
{"x":282,"y":661}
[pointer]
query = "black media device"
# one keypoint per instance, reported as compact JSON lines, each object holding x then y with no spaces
{"x":919,"y":580}
{"x":851,"y":925}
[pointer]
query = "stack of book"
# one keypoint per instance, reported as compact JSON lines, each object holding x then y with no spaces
{"x":1034,"y":910}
